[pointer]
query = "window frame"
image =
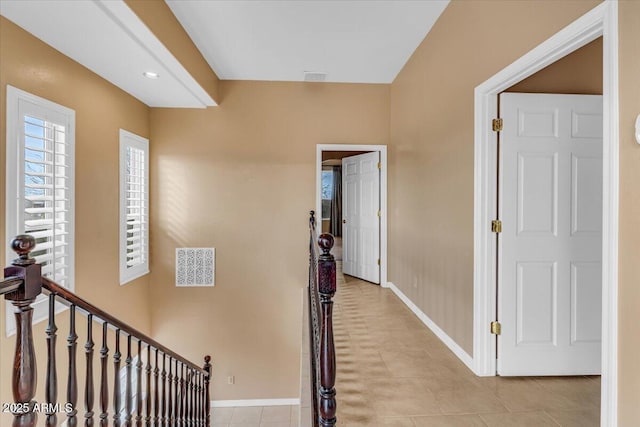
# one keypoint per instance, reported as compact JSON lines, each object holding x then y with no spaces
{"x":129,"y":274}
{"x":330,"y":171}
{"x":19,"y":104}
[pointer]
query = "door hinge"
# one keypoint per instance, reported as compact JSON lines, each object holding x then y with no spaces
{"x":496,"y":125}
{"x":496,"y":226}
{"x":379,"y":165}
{"x":496,"y":328}
{"x":379,"y":214}
{"x":378,"y":261}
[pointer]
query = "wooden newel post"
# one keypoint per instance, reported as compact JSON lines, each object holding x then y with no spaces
{"x":327,"y":289}
{"x":207,"y":395}
{"x":24,"y":380}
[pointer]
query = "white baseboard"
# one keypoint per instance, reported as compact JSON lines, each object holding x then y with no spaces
{"x":446,"y":339}
{"x":254,"y":402}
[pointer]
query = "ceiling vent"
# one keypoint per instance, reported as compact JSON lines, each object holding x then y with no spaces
{"x":314,"y":76}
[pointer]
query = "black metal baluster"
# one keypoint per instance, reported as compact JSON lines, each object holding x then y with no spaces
{"x":139,"y":386}
{"x":191,"y":400}
{"x":198,"y":400}
{"x":203,"y":408}
{"x":128,"y":396}
{"x":183,"y":396}
{"x":156,"y":401}
{"x":202,"y":402}
{"x":148,"y":399}
{"x":176,"y":383}
{"x":192,"y":411}
{"x":196,"y":390}
{"x":207,"y":398}
{"x":187,"y":419}
{"x":51,"y":387}
{"x":187,"y":401}
{"x":88,"y":383}
{"x":170,"y":397}
{"x":72,"y":379}
{"x":163,"y":413}
{"x":104,"y":381}
{"x":116,"y":381}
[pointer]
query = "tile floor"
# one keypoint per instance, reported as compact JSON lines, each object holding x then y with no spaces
{"x":393,"y":371}
{"x":255,"y":416}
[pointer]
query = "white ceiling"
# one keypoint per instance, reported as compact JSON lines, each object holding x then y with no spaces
{"x":109,"y":39}
{"x":352,"y":41}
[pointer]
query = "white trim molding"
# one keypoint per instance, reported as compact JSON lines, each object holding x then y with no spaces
{"x":128,"y":179}
{"x":382,"y":149}
{"x":20,"y":104}
{"x":600,"y":21}
{"x":254,"y":402}
{"x":444,"y":337}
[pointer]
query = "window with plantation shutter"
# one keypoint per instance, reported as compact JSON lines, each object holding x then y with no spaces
{"x":134,"y":206}
{"x":40,"y":183}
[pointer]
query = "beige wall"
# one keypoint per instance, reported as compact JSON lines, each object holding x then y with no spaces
{"x":431,"y":148}
{"x":629,"y":247}
{"x":580,"y":72}
{"x":101,"y":109}
{"x":431,"y":155}
{"x":241,"y":178}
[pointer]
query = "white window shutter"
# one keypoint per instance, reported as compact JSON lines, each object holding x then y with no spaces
{"x":40,"y":186}
{"x":134,"y":206}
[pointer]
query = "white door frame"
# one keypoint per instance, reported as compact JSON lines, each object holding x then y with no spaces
{"x":382,"y":149}
{"x":600,"y":21}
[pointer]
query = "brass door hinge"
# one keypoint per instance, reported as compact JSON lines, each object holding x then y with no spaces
{"x":496,"y":226}
{"x":379,"y":214}
{"x":379,"y":165}
{"x":496,"y":125}
{"x":378,"y":261}
{"x":496,"y":328}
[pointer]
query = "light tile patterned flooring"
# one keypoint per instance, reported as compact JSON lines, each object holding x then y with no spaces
{"x":255,"y":416}
{"x":393,"y":371}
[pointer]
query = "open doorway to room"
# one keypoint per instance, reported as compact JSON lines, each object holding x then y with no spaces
{"x":351,"y":197}
{"x":596,"y":283}
{"x":549,"y":208}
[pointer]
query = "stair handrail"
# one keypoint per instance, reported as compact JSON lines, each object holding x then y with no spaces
{"x":69,"y":298}
{"x":189,"y":402}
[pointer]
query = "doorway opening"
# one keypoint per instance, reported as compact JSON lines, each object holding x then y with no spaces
{"x":600,"y":21}
{"x":338,"y":219}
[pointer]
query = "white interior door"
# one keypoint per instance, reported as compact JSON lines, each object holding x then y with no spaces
{"x":360,"y":213}
{"x":550,"y":280}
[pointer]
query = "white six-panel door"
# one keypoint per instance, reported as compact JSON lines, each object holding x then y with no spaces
{"x":361,"y":223}
{"x":549,"y":281}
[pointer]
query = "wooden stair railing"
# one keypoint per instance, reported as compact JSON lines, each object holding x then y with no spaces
{"x":322,"y":288}
{"x":178,"y":395}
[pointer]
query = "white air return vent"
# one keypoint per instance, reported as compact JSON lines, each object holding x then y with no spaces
{"x":195,"y":266}
{"x":314,"y":76}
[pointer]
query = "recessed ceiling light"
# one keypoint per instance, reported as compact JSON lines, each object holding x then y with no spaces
{"x":151,"y":75}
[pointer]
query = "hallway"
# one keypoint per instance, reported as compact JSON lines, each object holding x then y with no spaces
{"x":392,"y":370}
